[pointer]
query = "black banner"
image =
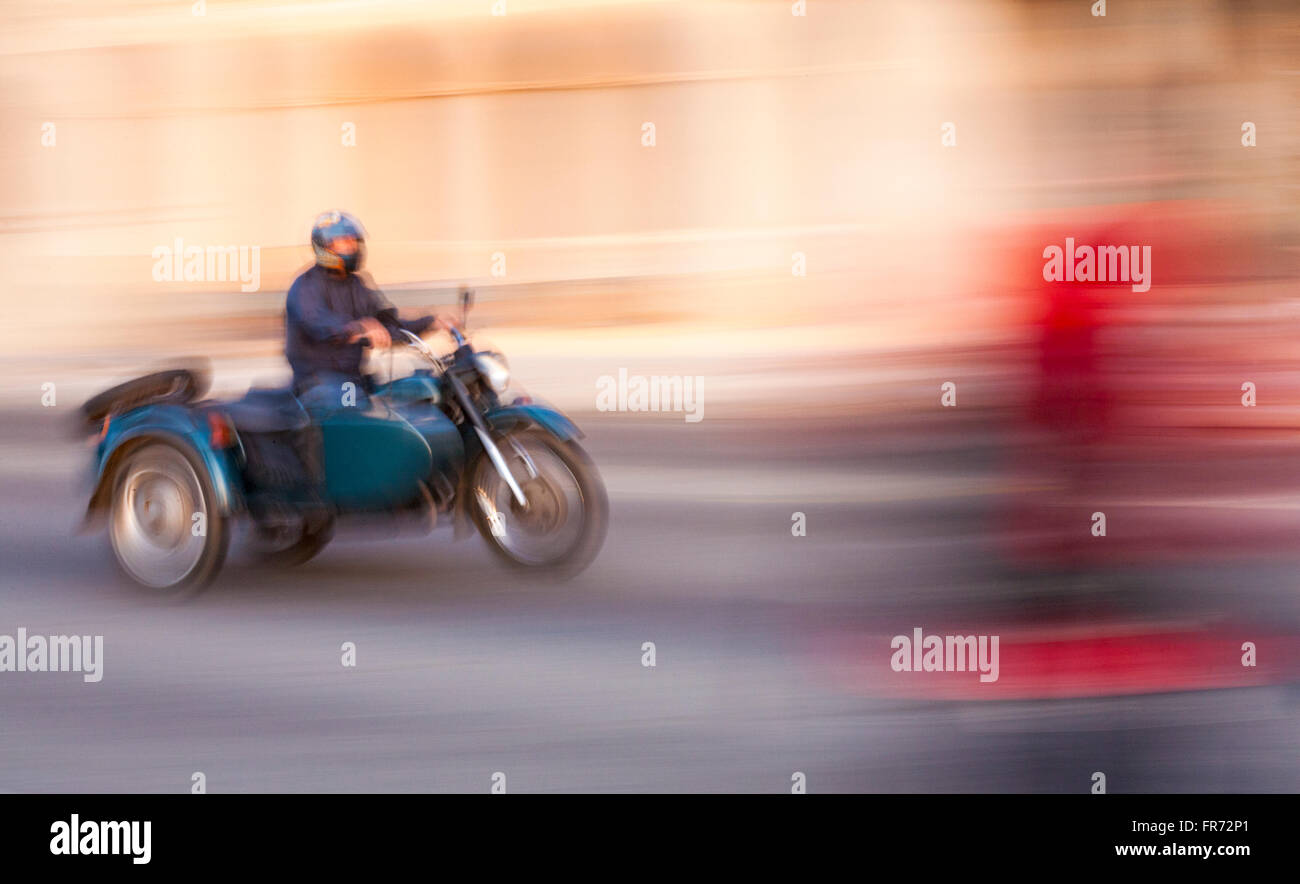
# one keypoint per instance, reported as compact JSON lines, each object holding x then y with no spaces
{"x":333,"y":832}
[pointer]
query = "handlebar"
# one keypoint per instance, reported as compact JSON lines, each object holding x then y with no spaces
{"x":415,"y":340}
{"x":418,"y":343}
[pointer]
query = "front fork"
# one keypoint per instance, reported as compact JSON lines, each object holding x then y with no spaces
{"x":481,"y":428}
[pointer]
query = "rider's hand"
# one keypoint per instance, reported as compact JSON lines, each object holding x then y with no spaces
{"x":374,"y":330}
{"x":445,"y":323}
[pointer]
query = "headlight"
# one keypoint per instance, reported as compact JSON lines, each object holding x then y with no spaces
{"x":494,"y":370}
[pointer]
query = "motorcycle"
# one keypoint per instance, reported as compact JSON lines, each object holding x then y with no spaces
{"x":173,"y":473}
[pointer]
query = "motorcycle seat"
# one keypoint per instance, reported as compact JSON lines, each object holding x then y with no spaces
{"x":268,"y":410}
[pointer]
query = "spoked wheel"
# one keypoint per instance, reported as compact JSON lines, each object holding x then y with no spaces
{"x":164,"y":527}
{"x":562,"y":526}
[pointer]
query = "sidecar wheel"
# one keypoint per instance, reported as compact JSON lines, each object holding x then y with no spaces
{"x":563,"y":528}
{"x":165,"y":530}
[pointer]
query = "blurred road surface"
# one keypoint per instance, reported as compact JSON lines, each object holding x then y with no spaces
{"x":769,"y":647}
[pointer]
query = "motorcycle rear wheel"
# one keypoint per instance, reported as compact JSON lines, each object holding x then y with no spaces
{"x":304,"y":547}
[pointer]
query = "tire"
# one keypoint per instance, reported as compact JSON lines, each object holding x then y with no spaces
{"x":585,"y":488}
{"x":308,"y":544}
{"x":157,"y":490}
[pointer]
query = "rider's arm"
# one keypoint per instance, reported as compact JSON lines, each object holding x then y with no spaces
{"x":383,"y":310}
{"x":388,"y":316}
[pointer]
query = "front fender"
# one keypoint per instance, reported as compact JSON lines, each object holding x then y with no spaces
{"x":502,"y":420}
{"x":177,"y":425}
{"x":543,"y":416}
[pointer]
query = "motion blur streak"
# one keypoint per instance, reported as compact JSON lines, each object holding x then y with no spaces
{"x":839,"y":214}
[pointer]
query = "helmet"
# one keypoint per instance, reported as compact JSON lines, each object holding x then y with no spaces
{"x":339,"y":241}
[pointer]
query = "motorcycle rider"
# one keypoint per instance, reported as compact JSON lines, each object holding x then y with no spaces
{"x":331,"y":314}
{"x":330,"y":309}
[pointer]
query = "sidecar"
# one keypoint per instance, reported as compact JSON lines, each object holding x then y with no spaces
{"x":173,"y":471}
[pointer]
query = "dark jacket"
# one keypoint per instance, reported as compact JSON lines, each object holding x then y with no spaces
{"x":322,"y":312}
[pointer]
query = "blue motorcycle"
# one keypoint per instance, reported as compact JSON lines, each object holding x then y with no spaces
{"x":173,"y":472}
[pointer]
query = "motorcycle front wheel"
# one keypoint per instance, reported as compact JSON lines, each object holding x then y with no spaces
{"x":562,"y":527}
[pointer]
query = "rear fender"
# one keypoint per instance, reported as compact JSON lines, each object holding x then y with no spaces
{"x":175,"y":425}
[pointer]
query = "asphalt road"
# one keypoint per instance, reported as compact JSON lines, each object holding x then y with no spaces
{"x":465,"y":669}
